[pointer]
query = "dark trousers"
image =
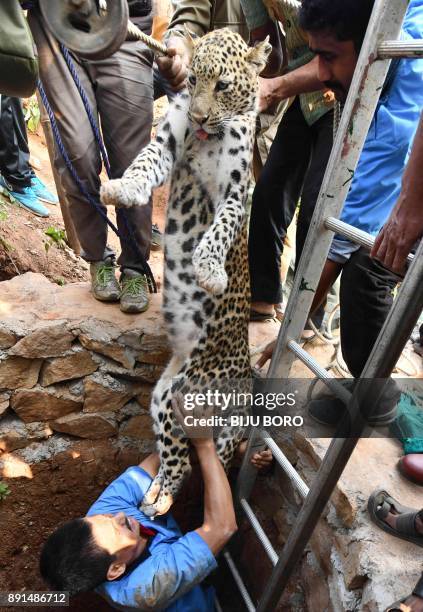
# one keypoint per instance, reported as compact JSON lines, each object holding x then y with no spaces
{"x":366,"y":297}
{"x":14,"y":151}
{"x":120,"y":91}
{"x":295,"y":168}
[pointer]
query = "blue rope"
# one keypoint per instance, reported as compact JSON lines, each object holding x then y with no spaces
{"x":88,"y":109}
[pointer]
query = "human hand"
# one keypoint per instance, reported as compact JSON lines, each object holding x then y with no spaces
{"x":261,"y":460}
{"x":266,"y":355}
{"x":173,"y":66}
{"x":396,"y":239}
{"x":194,"y":421}
{"x":271,"y":92}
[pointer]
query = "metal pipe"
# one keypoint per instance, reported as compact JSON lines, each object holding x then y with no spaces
{"x":352,"y":233}
{"x":286,"y":465}
{"x":400,"y":48}
{"x":239,"y":582}
{"x":320,"y":372}
{"x":267,"y":545}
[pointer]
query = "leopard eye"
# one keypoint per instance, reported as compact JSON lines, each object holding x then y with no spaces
{"x":192,"y":79}
{"x":222,"y":85}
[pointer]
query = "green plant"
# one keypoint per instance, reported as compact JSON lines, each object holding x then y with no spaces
{"x":4,"y":491}
{"x":56,"y":236}
{"x":3,"y":210}
{"x":60,"y":281}
{"x":32,"y":114}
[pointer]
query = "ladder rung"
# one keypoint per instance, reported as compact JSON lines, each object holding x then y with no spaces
{"x":217,"y":605}
{"x":320,"y":372}
{"x":353,"y":234}
{"x":400,"y":48}
{"x":239,"y":582}
{"x":286,"y":465}
{"x":267,"y":545}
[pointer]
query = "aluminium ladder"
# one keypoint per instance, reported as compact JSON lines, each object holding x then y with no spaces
{"x":369,"y":77}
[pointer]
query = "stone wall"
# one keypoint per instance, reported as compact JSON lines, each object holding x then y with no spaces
{"x":74,"y":397}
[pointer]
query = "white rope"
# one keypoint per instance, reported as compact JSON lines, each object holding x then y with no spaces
{"x":134,"y":33}
{"x":293,"y":4}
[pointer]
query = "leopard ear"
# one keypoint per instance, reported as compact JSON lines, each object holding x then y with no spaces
{"x":257,"y":56}
{"x":189,"y":40}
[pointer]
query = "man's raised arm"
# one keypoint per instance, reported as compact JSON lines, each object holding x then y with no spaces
{"x":219,"y":522}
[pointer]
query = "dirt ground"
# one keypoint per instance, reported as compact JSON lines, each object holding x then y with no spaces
{"x":22,"y":234}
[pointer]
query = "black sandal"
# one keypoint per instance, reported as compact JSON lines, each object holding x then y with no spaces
{"x":381,"y":503}
{"x":261,"y":317}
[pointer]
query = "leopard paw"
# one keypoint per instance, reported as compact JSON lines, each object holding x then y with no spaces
{"x":210,"y":275}
{"x":153,"y":492}
{"x":159,"y":507}
{"x":124,"y":193}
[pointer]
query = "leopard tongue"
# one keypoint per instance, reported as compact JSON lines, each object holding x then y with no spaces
{"x":201,"y":134}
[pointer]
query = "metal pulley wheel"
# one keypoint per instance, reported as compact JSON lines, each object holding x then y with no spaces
{"x":93,"y":29}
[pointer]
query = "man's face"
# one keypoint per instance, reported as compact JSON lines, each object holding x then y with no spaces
{"x":120,"y":536}
{"x":337,"y":62}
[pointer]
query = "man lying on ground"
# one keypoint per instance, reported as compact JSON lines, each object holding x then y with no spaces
{"x":134,"y":562}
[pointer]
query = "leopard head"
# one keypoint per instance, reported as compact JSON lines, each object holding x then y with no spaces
{"x":223,"y":78}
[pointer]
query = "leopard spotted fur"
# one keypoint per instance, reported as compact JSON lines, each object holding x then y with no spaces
{"x":205,"y":146}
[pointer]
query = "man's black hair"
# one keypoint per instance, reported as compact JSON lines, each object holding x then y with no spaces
{"x":72,"y":561}
{"x":346,"y":19}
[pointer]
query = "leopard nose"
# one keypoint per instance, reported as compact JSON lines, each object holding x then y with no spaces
{"x":199,"y":118}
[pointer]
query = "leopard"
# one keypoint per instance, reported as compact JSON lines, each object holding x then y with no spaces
{"x":204,"y":148}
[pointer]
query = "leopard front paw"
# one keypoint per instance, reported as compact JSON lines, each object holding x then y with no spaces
{"x":124,"y":193}
{"x":211,"y":276}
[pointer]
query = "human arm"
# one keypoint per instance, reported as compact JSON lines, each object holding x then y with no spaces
{"x":151,"y":464}
{"x":219,"y":522}
{"x":301,"y":80}
{"x":405,"y":224}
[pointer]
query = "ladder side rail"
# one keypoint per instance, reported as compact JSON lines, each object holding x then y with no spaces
{"x":384,"y":356}
{"x":355,"y":121}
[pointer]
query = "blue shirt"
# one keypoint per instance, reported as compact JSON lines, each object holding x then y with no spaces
{"x":377,"y":181}
{"x":168,"y":573}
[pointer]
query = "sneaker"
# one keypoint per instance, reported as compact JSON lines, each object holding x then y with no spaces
{"x":156,"y":238}
{"x":25,"y":198}
{"x":104,"y":284}
{"x":134,"y":294}
{"x":42,"y":192}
